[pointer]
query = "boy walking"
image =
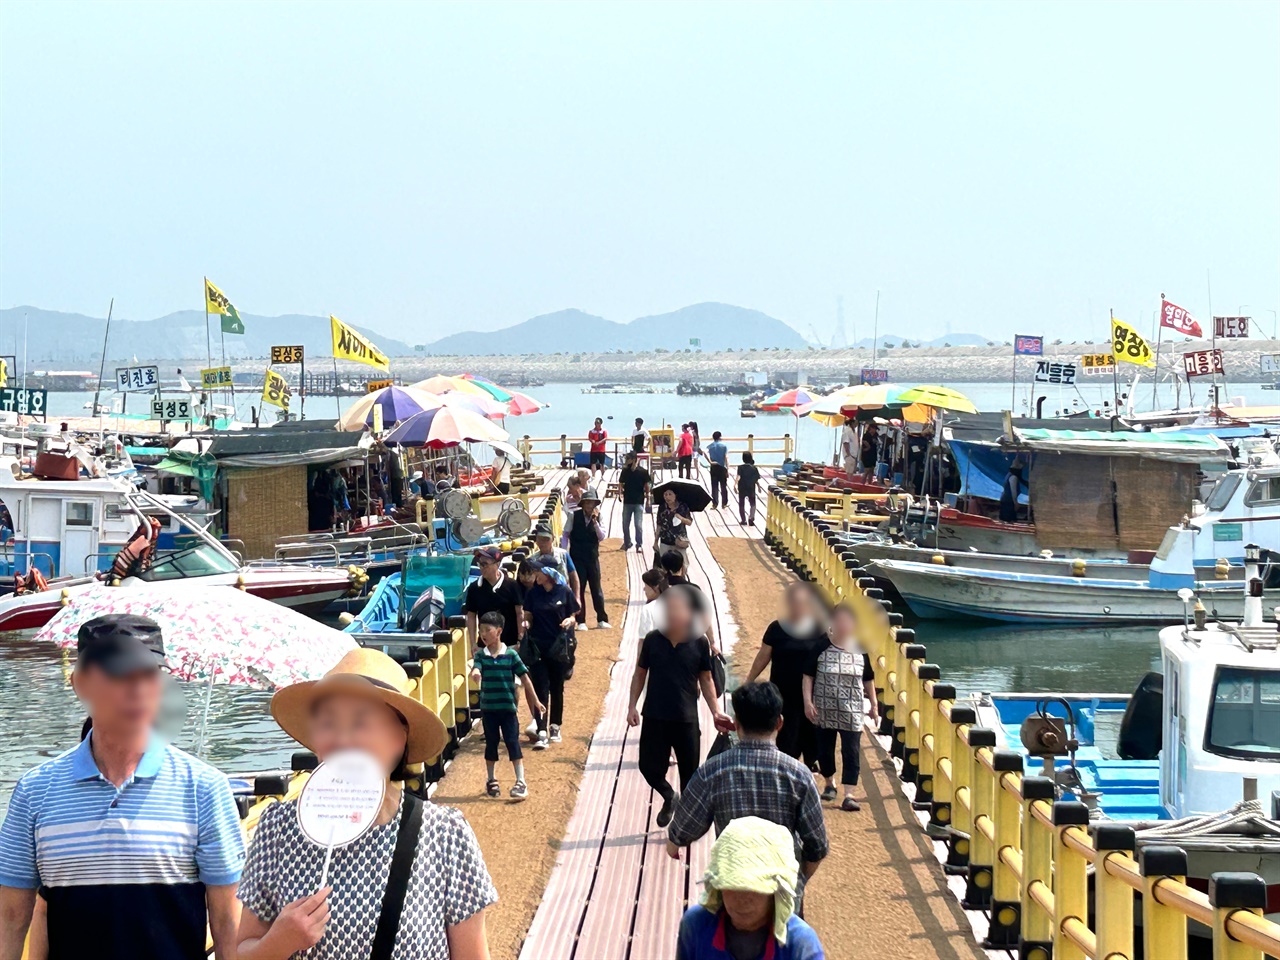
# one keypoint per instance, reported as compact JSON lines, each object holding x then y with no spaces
{"x":498,"y":668}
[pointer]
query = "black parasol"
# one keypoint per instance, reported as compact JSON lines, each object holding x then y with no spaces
{"x":689,"y":492}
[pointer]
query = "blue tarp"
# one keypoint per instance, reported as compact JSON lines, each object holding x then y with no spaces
{"x":983,"y":468}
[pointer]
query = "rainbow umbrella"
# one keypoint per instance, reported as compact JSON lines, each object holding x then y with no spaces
{"x":493,"y":389}
{"x":832,"y":409}
{"x":522,"y":403}
{"x":445,"y":427}
{"x":484,"y":406}
{"x":442,"y":384}
{"x":397,"y":403}
{"x":790,"y":399}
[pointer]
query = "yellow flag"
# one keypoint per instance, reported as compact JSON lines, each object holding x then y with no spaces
{"x":276,"y":390}
{"x":1128,"y":347}
{"x":4,"y":372}
{"x":349,"y":345}
{"x":215,"y":301}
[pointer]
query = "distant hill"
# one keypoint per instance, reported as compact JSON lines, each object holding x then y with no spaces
{"x":74,"y":340}
{"x":718,"y":326}
{"x":951,"y":339}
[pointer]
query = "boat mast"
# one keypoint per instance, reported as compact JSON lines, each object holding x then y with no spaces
{"x":102,"y":367}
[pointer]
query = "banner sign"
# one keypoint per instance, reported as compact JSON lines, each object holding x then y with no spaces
{"x":373,"y":385}
{"x":1028,"y":346}
{"x":8,"y":368}
{"x":137,"y":379}
{"x":1097,"y":364}
{"x":291,"y":354}
{"x":1231,"y":328}
{"x":213,"y":377}
{"x":276,"y":390}
{"x":349,"y":345}
{"x":1202,"y":363}
{"x":1051,"y":371}
{"x":1270,"y":362}
{"x":875,"y":375}
{"x":170,"y":409}
{"x":26,"y":402}
{"x":1128,"y":346}
{"x":1176,"y":318}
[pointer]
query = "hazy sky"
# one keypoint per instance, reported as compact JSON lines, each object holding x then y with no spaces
{"x":425,"y":168}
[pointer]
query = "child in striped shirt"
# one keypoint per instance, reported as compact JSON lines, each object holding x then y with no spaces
{"x":497,"y":668}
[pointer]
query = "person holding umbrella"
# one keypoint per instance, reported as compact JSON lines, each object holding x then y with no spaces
{"x":677,"y":499}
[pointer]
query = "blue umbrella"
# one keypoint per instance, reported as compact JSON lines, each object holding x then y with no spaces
{"x":397,"y":403}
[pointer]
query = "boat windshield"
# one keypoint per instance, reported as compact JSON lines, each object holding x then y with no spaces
{"x":1222,"y":492}
{"x":198,"y":561}
{"x":1244,"y":716}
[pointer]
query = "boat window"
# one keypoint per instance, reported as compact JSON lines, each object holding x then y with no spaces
{"x":1223,"y":491}
{"x":199,"y":561}
{"x":79,"y":514}
{"x":1265,"y":490}
{"x":1244,"y":715}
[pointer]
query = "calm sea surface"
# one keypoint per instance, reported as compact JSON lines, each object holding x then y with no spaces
{"x":39,"y":716}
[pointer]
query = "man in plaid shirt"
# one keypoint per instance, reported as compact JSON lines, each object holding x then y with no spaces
{"x":754,"y":779}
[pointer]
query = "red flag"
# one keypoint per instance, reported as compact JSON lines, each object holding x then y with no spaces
{"x":1172,"y":315}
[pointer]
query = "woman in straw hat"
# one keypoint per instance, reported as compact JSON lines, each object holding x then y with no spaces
{"x":748,"y":899}
{"x":363,"y":704}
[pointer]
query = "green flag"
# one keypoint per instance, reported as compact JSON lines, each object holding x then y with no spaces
{"x":231,"y":322}
{"x":695,"y":341}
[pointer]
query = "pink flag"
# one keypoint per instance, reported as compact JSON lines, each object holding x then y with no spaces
{"x":1172,"y":315}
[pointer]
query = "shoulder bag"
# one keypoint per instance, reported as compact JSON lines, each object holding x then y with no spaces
{"x":384,"y":938}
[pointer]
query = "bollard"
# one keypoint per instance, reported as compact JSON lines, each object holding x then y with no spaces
{"x":922,"y":728}
{"x":1035,"y":940}
{"x":941,"y":760}
{"x":1113,"y":898}
{"x":1070,"y":877}
{"x":908,"y":700}
{"x":1006,"y":903}
{"x":982,"y":855}
{"x":1164,"y":929}
{"x":1235,"y":893}
{"x":960,"y":832}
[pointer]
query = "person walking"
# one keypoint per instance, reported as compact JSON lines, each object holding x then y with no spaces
{"x":550,"y":609}
{"x":785,"y":648}
{"x":684,"y":453}
{"x":134,"y":845}
{"x":754,"y":778}
{"x":870,"y":451}
{"x":747,"y":909}
{"x":598,"y":437}
{"x":677,"y":574}
{"x":573,"y":490}
{"x":748,"y":482}
{"x":544,"y":540}
{"x":837,"y":678}
{"x":654,"y":583}
{"x":498,"y":670}
{"x":635,"y":481}
{"x":583,"y":533}
{"x":500,"y":472}
{"x":849,"y":447}
{"x":673,"y":666}
{"x":494,"y":592}
{"x":697,"y":447}
{"x":640,"y":439}
{"x":718,"y":458}
{"x":365,"y":703}
{"x":671,"y":526}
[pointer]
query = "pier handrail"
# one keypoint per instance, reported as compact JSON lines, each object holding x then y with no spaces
{"x":558,"y":447}
{"x":1025,"y":854}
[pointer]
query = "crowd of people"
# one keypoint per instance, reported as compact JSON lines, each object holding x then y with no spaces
{"x":415,"y":885}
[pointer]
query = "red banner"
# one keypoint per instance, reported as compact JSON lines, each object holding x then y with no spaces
{"x":1202,"y":363}
{"x":1174,"y":317}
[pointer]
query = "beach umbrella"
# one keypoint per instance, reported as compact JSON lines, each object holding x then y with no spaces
{"x":691,"y":493}
{"x":521,"y":404}
{"x":445,"y":427}
{"x":484,"y":406}
{"x":832,"y":409}
{"x":938,"y":398}
{"x":213,"y":634}
{"x":442,"y":384}
{"x":397,"y":403}
{"x":790,"y":399}
{"x":495,"y":391}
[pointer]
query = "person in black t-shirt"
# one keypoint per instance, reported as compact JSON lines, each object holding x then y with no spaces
{"x":635,"y":481}
{"x":748,"y":478}
{"x":493,"y":592}
{"x":673,"y":666}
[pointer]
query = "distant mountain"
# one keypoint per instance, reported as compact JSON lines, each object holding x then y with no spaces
{"x":717,"y":326}
{"x":74,"y":340}
{"x":951,"y":339}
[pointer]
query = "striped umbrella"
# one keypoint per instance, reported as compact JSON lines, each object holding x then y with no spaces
{"x":443,"y":384}
{"x":445,"y":427}
{"x":518,"y":404}
{"x":790,"y":399}
{"x":485,"y":406}
{"x":493,"y":389}
{"x":397,"y":403}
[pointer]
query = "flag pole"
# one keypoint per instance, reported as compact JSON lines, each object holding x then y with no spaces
{"x":1155,"y":378}
{"x":208,"y":347}
{"x":1013,"y":389}
{"x":337,"y":401}
{"x":1115,"y":382}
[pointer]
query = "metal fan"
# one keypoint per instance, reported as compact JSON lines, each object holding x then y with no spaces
{"x":468,"y":530}
{"x":455,"y":504}
{"x":513,"y":520}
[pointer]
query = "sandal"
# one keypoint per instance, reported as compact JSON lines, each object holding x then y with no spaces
{"x":493,"y":789}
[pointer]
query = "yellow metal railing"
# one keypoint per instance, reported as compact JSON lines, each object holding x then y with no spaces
{"x":1027,"y":857}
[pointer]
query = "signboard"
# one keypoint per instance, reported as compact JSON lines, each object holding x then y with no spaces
{"x":287,"y":354}
{"x":1269,"y":362}
{"x":26,"y":402}
{"x":1202,"y":363}
{"x":373,"y":385}
{"x":1231,"y":328}
{"x":137,"y":379}
{"x":214,"y":377}
{"x":1097,"y":364}
{"x":1228,"y":531}
{"x":1028,"y":346}
{"x":171,"y":409}
{"x":8,"y":367}
{"x":1052,"y":371}
{"x":874,"y":375}
{"x":276,"y":390}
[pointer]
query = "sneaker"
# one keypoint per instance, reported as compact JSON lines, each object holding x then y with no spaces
{"x":554,"y":736}
{"x":850,"y":805}
{"x":493,"y":789}
{"x":543,"y":742}
{"x":531,"y":731}
{"x":829,"y":793}
{"x":626,"y":546}
{"x":519,"y":791}
{"x":668,"y":810}
{"x":603,"y":625}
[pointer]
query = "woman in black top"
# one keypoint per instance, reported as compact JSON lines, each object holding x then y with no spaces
{"x":549,"y":606}
{"x":748,"y":477}
{"x":671,"y":526}
{"x":786,"y":648}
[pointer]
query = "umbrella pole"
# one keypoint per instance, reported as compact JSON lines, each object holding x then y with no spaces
{"x":203,"y":730}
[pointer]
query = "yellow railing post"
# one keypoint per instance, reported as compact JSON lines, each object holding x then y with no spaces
{"x":1113,"y":898}
{"x":1164,"y":929}
{"x":1070,"y":879}
{"x":1036,"y":936}
{"x":940,"y":759}
{"x":960,"y":835}
{"x":1006,"y":901}
{"x":982,"y":852}
{"x":1234,"y":893}
{"x":918,"y":765}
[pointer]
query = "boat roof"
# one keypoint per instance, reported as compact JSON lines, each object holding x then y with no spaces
{"x":1175,"y":446}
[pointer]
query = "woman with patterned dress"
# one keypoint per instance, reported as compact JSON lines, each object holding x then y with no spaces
{"x":836,"y":680}
{"x":363,"y":704}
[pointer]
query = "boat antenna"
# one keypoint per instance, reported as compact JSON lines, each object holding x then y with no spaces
{"x":102,"y":367}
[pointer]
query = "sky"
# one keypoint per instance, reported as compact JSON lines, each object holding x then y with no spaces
{"x":420,"y":169}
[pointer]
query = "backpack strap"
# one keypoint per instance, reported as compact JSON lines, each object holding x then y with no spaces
{"x":384,"y":939}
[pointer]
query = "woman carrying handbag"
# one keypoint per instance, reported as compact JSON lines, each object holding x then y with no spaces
{"x":549,"y":608}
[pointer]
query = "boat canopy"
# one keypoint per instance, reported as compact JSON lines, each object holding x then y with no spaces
{"x":1169,"y":447}
{"x":982,"y":468}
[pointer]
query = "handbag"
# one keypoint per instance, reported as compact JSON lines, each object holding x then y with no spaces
{"x":718,"y":673}
{"x":529,"y":650}
{"x":384,"y":938}
{"x":722,"y":742}
{"x":562,"y":648}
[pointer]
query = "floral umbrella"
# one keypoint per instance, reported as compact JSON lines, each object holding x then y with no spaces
{"x":397,"y":403}
{"x":217,"y":634}
{"x":446,"y":427}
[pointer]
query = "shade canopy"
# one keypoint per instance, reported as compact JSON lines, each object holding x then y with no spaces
{"x":398,"y":403}
{"x":445,"y":427}
{"x":443,"y":384}
{"x":939,"y":398}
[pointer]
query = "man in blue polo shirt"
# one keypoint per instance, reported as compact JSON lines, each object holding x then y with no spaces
{"x":133,"y":844}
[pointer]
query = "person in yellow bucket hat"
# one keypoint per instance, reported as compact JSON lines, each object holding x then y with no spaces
{"x":748,"y":900}
{"x":365,"y":703}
